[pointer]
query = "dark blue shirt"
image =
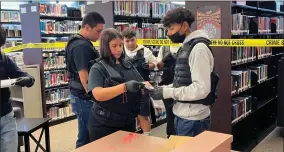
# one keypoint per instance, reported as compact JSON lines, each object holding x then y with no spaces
{"x":8,"y":70}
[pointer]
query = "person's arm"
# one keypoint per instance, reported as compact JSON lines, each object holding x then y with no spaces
{"x":82,"y":55}
{"x":152,"y":60}
{"x":96,"y":83}
{"x":14,"y":72}
{"x":200,"y":61}
{"x":160,"y":63}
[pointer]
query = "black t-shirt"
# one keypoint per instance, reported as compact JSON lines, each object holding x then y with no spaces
{"x":80,"y":53}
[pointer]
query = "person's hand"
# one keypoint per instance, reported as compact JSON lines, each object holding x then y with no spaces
{"x":157,"y":93}
{"x":25,"y":82}
{"x":134,"y":86}
{"x":145,"y":66}
{"x":167,"y":57}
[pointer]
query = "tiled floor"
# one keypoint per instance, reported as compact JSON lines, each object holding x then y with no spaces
{"x":63,"y":137}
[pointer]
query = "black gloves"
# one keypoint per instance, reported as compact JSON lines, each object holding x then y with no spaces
{"x":145,"y":66}
{"x":157,"y":93}
{"x":168,"y":57}
{"x":134,"y":86}
{"x":25,"y":81}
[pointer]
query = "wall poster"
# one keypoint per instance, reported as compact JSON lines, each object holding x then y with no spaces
{"x":209,"y":19}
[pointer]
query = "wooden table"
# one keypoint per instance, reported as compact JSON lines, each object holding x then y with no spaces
{"x":26,"y":126}
{"x":122,"y":141}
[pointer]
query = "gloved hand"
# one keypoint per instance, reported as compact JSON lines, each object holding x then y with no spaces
{"x":25,"y":82}
{"x":145,"y":66}
{"x":168,"y":57}
{"x":157,"y":93}
{"x":133,"y":86}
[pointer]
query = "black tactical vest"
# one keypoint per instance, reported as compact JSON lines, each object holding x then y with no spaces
{"x":182,"y":75}
{"x":125,"y":104}
{"x":137,"y":60}
{"x":74,"y":80}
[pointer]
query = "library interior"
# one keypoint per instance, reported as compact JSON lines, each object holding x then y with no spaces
{"x":244,"y":46}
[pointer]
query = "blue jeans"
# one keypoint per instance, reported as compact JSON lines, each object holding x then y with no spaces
{"x":81,"y":108}
{"x":9,"y":134}
{"x":191,"y":128}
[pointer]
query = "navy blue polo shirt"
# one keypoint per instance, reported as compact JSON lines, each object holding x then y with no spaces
{"x":12,"y":71}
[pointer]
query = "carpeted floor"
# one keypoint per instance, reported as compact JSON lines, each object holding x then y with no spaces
{"x":63,"y":138}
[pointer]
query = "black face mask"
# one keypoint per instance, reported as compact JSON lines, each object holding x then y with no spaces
{"x":177,"y":37}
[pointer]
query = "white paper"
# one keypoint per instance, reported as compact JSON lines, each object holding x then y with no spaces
{"x":7,"y":83}
{"x":23,"y":10}
{"x":33,"y":8}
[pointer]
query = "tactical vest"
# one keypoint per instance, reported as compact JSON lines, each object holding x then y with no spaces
{"x":4,"y":92}
{"x":137,"y":60}
{"x":168,"y":69}
{"x":123,"y":107}
{"x":74,"y":79}
{"x":182,"y":75}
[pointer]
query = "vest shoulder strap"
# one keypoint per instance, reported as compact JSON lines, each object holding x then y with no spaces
{"x":113,"y":75}
{"x":140,"y":52}
{"x":189,"y":45}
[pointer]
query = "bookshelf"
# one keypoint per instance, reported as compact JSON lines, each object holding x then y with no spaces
{"x":248,"y":110}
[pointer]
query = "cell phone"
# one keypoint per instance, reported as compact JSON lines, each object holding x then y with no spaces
{"x":151,"y":88}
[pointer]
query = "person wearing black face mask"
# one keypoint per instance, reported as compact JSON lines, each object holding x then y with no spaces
{"x":194,"y":84}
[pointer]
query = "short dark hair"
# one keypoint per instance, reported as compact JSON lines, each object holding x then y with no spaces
{"x":129,"y":33}
{"x":178,"y":15}
{"x":2,"y":36}
{"x":93,"y":19}
{"x":108,"y":35}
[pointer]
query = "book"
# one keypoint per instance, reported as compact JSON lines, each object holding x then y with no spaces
{"x":260,"y":71}
{"x":59,"y":27}
{"x":241,"y":107}
{"x":10,"y":16}
{"x":240,"y":80}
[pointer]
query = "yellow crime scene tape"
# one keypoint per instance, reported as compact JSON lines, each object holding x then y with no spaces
{"x":166,"y":42}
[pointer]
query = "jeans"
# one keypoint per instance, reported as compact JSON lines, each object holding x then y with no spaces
{"x":9,"y":134}
{"x":81,"y":108}
{"x":191,"y":128}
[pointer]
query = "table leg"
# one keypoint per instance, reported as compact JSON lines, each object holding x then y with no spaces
{"x":27,"y":143}
{"x":47,"y":138}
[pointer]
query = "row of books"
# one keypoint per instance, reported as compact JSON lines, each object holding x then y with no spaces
{"x":241,"y":107}
{"x":54,"y":62}
{"x":241,"y":80}
{"x":59,"y":27}
{"x":57,"y":96}
{"x":142,"y":8}
{"x":56,"y":113}
{"x":242,"y":24}
{"x":53,"y":10}
{"x":10,"y":16}
{"x":247,"y":54}
{"x":148,"y":31}
{"x":13,"y":30}
{"x":55,"y":78}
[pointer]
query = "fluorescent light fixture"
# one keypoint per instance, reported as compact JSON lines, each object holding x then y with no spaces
{"x":179,"y":3}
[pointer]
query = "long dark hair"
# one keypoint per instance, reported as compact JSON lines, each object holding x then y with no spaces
{"x":107,"y":36}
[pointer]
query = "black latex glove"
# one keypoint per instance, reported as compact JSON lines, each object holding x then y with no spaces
{"x":145,"y":66}
{"x":25,"y":82}
{"x":157,"y":93}
{"x":168,"y":57}
{"x":134,"y":86}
